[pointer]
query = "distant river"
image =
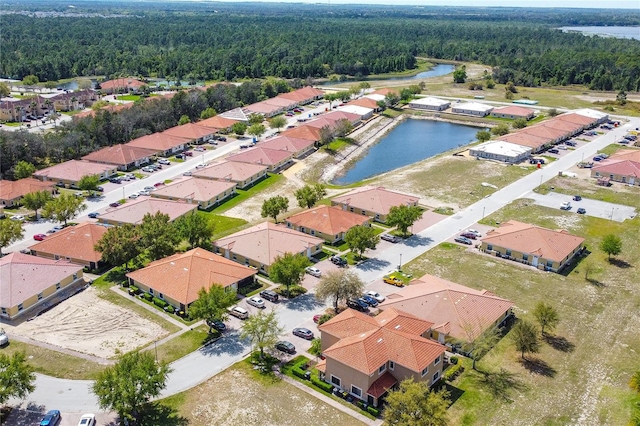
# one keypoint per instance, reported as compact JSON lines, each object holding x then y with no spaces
{"x":617,"y":32}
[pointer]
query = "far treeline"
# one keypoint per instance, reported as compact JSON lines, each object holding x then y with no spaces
{"x":225,"y":42}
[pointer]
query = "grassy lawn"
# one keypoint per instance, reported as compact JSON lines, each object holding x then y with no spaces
{"x":183,"y":344}
{"x":55,"y":364}
{"x":580,"y":375}
{"x":243,"y":195}
{"x":128,"y":98}
{"x":224,"y":225}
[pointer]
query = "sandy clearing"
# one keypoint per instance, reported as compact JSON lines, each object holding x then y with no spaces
{"x":88,"y":324}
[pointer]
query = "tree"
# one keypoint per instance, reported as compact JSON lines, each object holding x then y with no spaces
{"x":23,"y":170}
{"x":360,"y":238}
{"x":288,"y":269}
{"x":89,"y":183}
{"x":119,"y":245}
{"x":491,"y":84}
{"x":184,"y":120}
{"x":5,"y":90}
{"x":415,"y":404}
{"x":364,"y":85}
{"x":500,"y":130}
{"x":519,"y":123}
{"x":621,"y":98}
{"x":308,"y":195}
{"x":342,"y":127}
{"x":508,"y":95}
{"x":16,"y":377}
{"x":64,"y":208}
{"x":272,"y":207}
{"x":196,"y":229}
{"x":510,"y":87}
{"x":158,"y":235}
{"x":339,"y":285}
{"x":382,"y":105}
{"x":525,"y":337}
{"x":552,"y":112}
{"x":403,"y":217}
{"x":326,"y":135}
{"x":36,"y":200}
{"x":634,"y":382}
{"x":207,"y":113}
{"x":547,"y":316}
{"x":611,"y":245}
{"x":392,"y":98}
{"x":460,"y":74}
{"x":277,"y":122}
{"x":478,"y":346}
{"x":10,"y":232}
{"x":255,"y":119}
{"x":239,"y":128}
{"x":128,"y":384}
{"x":263,"y":329}
{"x":483,"y":135}
{"x":256,"y":130}
{"x":30,"y":80}
{"x":212,"y":304}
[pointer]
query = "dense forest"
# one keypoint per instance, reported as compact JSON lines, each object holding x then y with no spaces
{"x":235,"y":41}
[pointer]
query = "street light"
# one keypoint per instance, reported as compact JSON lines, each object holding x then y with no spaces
{"x":400,"y":264}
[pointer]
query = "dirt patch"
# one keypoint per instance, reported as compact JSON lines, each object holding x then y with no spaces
{"x":88,"y":324}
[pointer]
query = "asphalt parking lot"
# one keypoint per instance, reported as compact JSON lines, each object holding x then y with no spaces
{"x":601,"y":209}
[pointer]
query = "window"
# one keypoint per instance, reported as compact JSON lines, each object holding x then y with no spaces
{"x":489,"y":247}
{"x":550,"y":263}
{"x":39,"y":296}
{"x":425,"y":371}
{"x":4,"y":311}
{"x":161,"y":296}
{"x":391,"y":365}
{"x":437,"y":360}
{"x":356,"y":391}
{"x":335,"y":380}
{"x":436,"y":376}
{"x":58,"y":286}
{"x":382,"y":368}
{"x":150,"y":291}
{"x":75,"y":276}
{"x":525,"y":257}
{"x":508,"y":252}
{"x":20,"y":307}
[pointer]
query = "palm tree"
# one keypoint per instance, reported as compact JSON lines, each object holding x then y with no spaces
{"x":48,"y":104}
{"x":74,"y":103}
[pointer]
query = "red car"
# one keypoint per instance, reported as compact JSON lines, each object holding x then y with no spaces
{"x":188,"y":153}
{"x":158,"y":184}
{"x":39,"y":237}
{"x":469,"y":235}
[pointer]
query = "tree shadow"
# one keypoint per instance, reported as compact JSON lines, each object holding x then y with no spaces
{"x":22,"y":416}
{"x":501,"y":383}
{"x":454,"y":392}
{"x":559,"y":343}
{"x":156,"y":413}
{"x":620,"y":263}
{"x":304,"y":302}
{"x":538,"y":366}
{"x":373,"y":264}
{"x":596,"y":282}
{"x":117,"y":275}
{"x":417,"y":241}
{"x":229,"y":344}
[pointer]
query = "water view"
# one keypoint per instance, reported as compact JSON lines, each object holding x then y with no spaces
{"x":617,"y":32}
{"x":437,"y":71}
{"x":409,"y":142}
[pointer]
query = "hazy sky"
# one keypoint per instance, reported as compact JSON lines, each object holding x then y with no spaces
{"x":613,"y":4}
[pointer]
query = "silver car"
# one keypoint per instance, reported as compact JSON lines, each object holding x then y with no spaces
{"x":256,"y":301}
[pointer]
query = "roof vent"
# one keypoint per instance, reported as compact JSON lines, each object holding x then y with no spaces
{"x":397,"y":327}
{"x":173,"y":263}
{"x":379,"y":340}
{"x":363,"y":334}
{"x":186,"y":269}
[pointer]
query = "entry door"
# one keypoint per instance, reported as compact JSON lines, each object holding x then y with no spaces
{"x":534,"y":262}
{"x":632,"y":180}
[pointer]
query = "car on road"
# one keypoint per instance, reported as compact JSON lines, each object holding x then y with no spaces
{"x":40,"y":237}
{"x":313,"y":271}
{"x":339,"y":261}
{"x":217,"y":324}
{"x":380,"y":298}
{"x":469,"y":235}
{"x":565,"y":206}
{"x":581,"y":210}
{"x":305,"y":333}
{"x":370,"y":300}
{"x":358,"y":304}
{"x":52,"y":418}
{"x":269,"y":295}
{"x":93,"y":215}
{"x":115,"y":204}
{"x":393,"y":281}
{"x":87,"y":420}
{"x":257,"y":302}
{"x":390,"y":238}
{"x":463,"y":240}
{"x":577,"y":198}
{"x":285,"y":346}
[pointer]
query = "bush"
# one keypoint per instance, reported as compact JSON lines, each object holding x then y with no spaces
{"x":133,"y":290}
{"x":159,"y":302}
{"x":294,"y":291}
{"x":170,"y":309}
{"x":324,"y":318}
{"x":453,"y":372}
{"x":327,"y":387}
{"x":373,"y":411}
{"x":454,"y":360}
{"x":148,"y":297}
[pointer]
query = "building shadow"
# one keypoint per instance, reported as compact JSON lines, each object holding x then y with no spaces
{"x":538,"y":366}
{"x":559,"y":343}
{"x":373,"y":264}
{"x":304,"y":302}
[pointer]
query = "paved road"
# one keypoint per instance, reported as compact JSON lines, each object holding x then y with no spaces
{"x":69,"y":395}
{"x":601,"y":209}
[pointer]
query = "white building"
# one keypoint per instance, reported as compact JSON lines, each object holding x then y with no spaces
{"x":376,"y":97}
{"x":429,"y":103}
{"x":591,"y":113}
{"x":501,"y":151}
{"x":472,"y":108}
{"x":363,"y":112}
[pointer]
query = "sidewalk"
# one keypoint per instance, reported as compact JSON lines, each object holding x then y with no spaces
{"x":183,"y":327}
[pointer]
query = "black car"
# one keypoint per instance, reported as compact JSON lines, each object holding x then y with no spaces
{"x":390,"y":238}
{"x":114,"y":180}
{"x":369,"y":300}
{"x":337,"y":260}
{"x":358,"y":305}
{"x":116,"y":204}
{"x":577,"y":198}
{"x":269,"y":295}
{"x":581,"y":210}
{"x":554,"y":151}
{"x":93,"y":215}
{"x":285,"y":346}
{"x":217,"y":324}
{"x":99,"y":189}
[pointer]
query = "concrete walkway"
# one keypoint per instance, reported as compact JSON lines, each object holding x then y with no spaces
{"x":168,"y":318}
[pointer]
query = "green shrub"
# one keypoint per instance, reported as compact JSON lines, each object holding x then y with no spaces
{"x":169,"y":309}
{"x":327,"y":387}
{"x":324,"y":318}
{"x":297,"y":371}
{"x":148,"y":297}
{"x":159,"y":302}
{"x":453,"y":372}
{"x":294,"y":291}
{"x":125,"y":284}
{"x":453,"y":360}
{"x":373,"y":411}
{"x":133,"y":290}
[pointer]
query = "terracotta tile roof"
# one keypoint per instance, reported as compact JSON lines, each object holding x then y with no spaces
{"x":534,"y":240}
{"x":158,"y":142}
{"x":395,"y":319}
{"x":523,"y":139}
{"x":322,"y":365}
{"x":261,"y":155}
{"x":578,"y":119}
{"x":122,"y":83}
{"x":618,"y":167}
{"x":264,"y":108}
{"x":562,"y":126}
{"x":303,"y":94}
{"x":365,"y":102}
{"x":265,"y":241}
{"x":217,"y":122}
{"x":382,"y":385}
{"x":133,"y":211}
{"x":183,"y":275}
{"x":375,"y":199}
{"x":303,"y":132}
{"x":285,"y":143}
{"x":626,"y":154}
{"x":321,"y":122}
{"x":342,"y":115}
{"x":328,"y":220}
{"x":23,"y":276}
{"x":190,"y":131}
{"x":119,"y":154}
{"x":459,"y":311}
{"x":230,"y":170}
{"x":195,"y":189}
{"x":544,"y":131}
{"x":75,"y":242}
{"x":73,"y":170}
{"x":517,"y":111}
{"x":12,"y":189}
{"x":348,"y":323}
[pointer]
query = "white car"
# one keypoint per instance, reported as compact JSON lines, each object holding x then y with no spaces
{"x":164,"y":161}
{"x":149,"y":188}
{"x":256,"y":301}
{"x":187,"y":174}
{"x":87,"y":420}
{"x":144,"y":192}
{"x":474,"y":232}
{"x":201,"y":166}
{"x":18,"y":217}
{"x":134,"y":195}
{"x":380,"y":298}
{"x":313,"y":271}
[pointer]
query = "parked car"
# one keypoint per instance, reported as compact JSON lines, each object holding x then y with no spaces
{"x":134,"y":195}
{"x":469,"y":235}
{"x":577,"y":198}
{"x":148,"y":169}
{"x":370,"y":300}
{"x":570,"y":143}
{"x":380,"y":298}
{"x":598,"y":158}
{"x":116,"y":204}
{"x":238,"y":312}
{"x":474,"y":232}
{"x":115,"y":180}
{"x":52,"y":418}
{"x":4,"y":339}
{"x":217,"y":324}
{"x":285,"y":346}
{"x":313,"y":271}
{"x":99,"y":189}
{"x":93,"y":215}
{"x":149,"y":188}
{"x":269,"y":295}
{"x":305,"y":333}
{"x":463,"y":240}
{"x":187,"y":173}
{"x":200,"y":148}
{"x":18,"y":217}
{"x":358,"y":305}
{"x":256,"y":301}
{"x":393,"y":281}
{"x":87,"y":420}
{"x":581,"y":210}
{"x":188,"y":153}
{"x":390,"y":238}
{"x":222,"y":139}
{"x":180,"y":156}
{"x":201,"y":166}
{"x":144,"y":192}
{"x":164,"y":161}
{"x":337,"y":260}
{"x":554,"y":151}
{"x":316,"y":318}
{"x":40,"y":237}
{"x":565,"y":206}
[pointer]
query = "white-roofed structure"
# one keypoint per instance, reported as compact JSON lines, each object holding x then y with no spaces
{"x":501,"y":151}
{"x":364,"y":112}
{"x":376,"y":97}
{"x":430,"y":103}
{"x":591,"y":113}
{"x":471,"y":108}
{"x":235,"y":114}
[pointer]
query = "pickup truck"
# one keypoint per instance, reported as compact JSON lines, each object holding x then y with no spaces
{"x":565,"y":206}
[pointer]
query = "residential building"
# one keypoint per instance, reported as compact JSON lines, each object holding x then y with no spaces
{"x":236,"y":114}
{"x":74,"y":244}
{"x":218,"y":123}
{"x":162,"y":143}
{"x":124,"y":157}
{"x":430,"y":104}
{"x":372,"y":201}
{"x":12,"y":191}
{"x":205,"y":192}
{"x":513,"y":112}
{"x":534,"y":142}
{"x":367,"y":356}
{"x":73,"y":101}
{"x":192,"y":132}
{"x":303,"y":132}
{"x":29,"y":282}
{"x":70,"y":172}
{"x":270,"y":107}
{"x":274,"y":159}
{"x":121,"y":85}
{"x":303,"y":95}
{"x":243,"y":174}
{"x":329,"y":223}
{"x":459,"y":313}
{"x":623,"y":167}
{"x":366,"y":103}
{"x":471,"y":108}
{"x":14,"y":109}
{"x":505,"y":152}
{"x":259,"y":245}
{"x":297,"y":146}
{"x":363,"y":112}
{"x":134,"y":211}
{"x":179,"y":278}
{"x":334,"y":116}
{"x":532,"y":245}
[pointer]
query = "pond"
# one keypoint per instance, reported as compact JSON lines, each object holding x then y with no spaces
{"x":437,"y":71}
{"x":612,"y":31}
{"x":409,"y":142}
{"x":73,"y":85}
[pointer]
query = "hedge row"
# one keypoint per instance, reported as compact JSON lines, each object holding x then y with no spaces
{"x":159,"y":302}
{"x":453,"y":372}
{"x":373,"y":411}
{"x":327,"y":387}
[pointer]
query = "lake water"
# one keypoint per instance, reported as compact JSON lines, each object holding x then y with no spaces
{"x":437,"y":71}
{"x":617,"y":32}
{"x":73,"y":85}
{"x":409,"y":142}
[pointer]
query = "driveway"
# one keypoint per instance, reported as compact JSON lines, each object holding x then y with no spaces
{"x":595,"y":208}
